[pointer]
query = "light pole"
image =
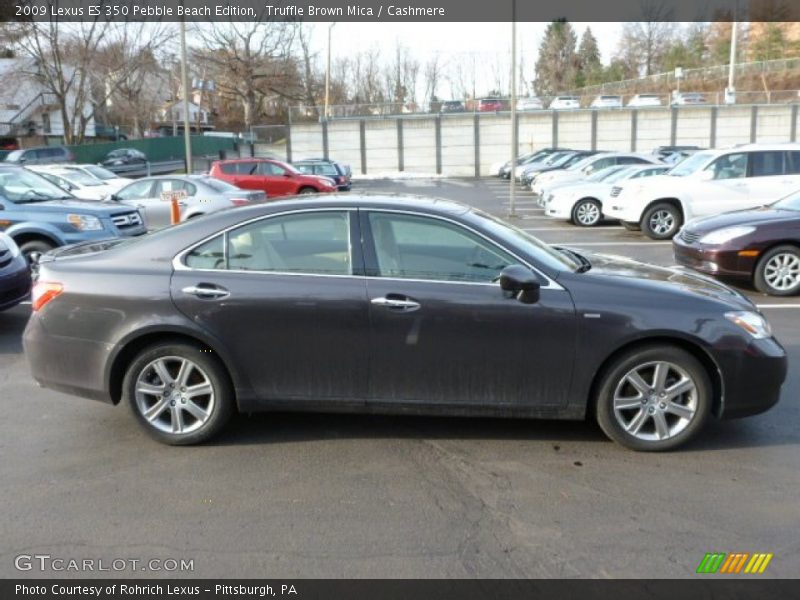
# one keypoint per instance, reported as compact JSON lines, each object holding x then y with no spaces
{"x":328,"y":72}
{"x":512,"y":179}
{"x":730,"y":91}
{"x":185,"y":84}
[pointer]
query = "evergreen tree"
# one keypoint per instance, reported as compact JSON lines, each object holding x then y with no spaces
{"x":589,"y":65}
{"x":556,"y":64}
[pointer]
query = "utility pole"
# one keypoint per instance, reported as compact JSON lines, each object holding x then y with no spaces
{"x":328,"y":72}
{"x":512,"y":180}
{"x":185,"y":84}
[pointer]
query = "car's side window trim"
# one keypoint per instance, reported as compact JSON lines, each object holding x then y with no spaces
{"x":370,"y":257}
{"x":354,"y":235}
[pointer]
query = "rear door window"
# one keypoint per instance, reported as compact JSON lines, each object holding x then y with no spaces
{"x":766,"y":164}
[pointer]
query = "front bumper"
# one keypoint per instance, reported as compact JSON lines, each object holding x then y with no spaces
{"x":15,"y":283}
{"x":558,"y":210}
{"x":713,"y":260}
{"x":752,"y":379}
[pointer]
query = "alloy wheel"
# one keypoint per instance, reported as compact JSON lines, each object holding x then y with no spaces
{"x":587,"y":213}
{"x":655,"y":401}
{"x":174,"y":395}
{"x":662,"y":222}
{"x":782,"y":271}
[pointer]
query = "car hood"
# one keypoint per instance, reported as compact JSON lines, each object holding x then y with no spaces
{"x":752,"y":216}
{"x":84,"y":206}
{"x":675,"y":278}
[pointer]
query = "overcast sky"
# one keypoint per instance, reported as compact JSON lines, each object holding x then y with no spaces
{"x":454,"y":40}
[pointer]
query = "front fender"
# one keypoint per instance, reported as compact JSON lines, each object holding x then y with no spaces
{"x":28,"y":228}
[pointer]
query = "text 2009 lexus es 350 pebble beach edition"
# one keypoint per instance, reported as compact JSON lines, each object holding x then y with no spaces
{"x":393,"y":304}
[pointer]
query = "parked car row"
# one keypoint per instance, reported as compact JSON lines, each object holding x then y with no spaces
{"x":732,"y":213}
{"x":570,"y":102}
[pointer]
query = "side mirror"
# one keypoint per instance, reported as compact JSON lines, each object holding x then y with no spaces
{"x":287,"y":174}
{"x":521,"y":283}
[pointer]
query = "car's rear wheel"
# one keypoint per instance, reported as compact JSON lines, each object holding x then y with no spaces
{"x":654,"y":398}
{"x":587,"y":212}
{"x":778,"y":271}
{"x":661,"y":221}
{"x":33,"y":251}
{"x":307,"y":190}
{"x":179,"y":392}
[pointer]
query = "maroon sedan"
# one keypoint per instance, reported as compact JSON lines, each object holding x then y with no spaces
{"x":760,"y":245}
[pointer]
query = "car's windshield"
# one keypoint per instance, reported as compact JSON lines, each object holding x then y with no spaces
{"x":15,"y":155}
{"x":610,"y":174}
{"x":100,"y":172}
{"x":691,"y":164}
{"x":577,"y":162}
{"x":790,"y":202}
{"x":545,"y":253}
{"x":557,"y":157}
{"x":22,"y":186}
{"x":80,"y":178}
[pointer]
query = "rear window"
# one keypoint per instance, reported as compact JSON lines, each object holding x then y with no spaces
{"x":218,"y":185}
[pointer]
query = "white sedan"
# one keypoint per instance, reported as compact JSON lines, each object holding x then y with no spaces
{"x":582,"y":202}
{"x":77,"y":183}
{"x":101,"y":174}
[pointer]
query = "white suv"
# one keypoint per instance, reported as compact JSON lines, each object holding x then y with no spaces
{"x":707,"y":183}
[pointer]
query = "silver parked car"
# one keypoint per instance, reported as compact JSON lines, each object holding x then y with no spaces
{"x":199,"y":195}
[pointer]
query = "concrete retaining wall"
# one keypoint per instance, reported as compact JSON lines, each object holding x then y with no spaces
{"x":451,"y":144}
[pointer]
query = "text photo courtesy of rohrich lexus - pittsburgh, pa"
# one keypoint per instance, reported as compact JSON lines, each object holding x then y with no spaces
{"x":441,"y":299}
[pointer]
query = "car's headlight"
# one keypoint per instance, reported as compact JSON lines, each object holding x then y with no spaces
{"x":9,"y":243}
{"x":726,"y":234}
{"x":752,"y":322}
{"x":85,"y":222}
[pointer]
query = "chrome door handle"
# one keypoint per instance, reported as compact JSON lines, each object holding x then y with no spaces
{"x":205,"y":292}
{"x":405,"y":305}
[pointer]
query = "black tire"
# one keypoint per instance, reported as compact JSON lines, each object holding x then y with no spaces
{"x":614,"y":380}
{"x":33,"y":249}
{"x":661,"y":221}
{"x":219,"y":406}
{"x":630,"y":226}
{"x":307,"y":190}
{"x":587,"y":212}
{"x":766,"y":265}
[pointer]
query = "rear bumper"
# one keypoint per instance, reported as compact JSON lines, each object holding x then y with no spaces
{"x":752,"y":379}
{"x":70,"y":365}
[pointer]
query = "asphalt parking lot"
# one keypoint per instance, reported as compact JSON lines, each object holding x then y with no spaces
{"x":288,"y":495}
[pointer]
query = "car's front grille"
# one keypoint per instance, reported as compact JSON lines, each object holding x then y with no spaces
{"x":615,"y":191}
{"x":690,"y":237}
{"x":126,"y":220}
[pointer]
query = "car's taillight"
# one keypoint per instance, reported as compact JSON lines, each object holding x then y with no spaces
{"x":43,"y":292}
{"x":239,"y":201}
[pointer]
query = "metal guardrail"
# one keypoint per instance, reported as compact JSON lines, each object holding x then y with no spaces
{"x":163,"y":167}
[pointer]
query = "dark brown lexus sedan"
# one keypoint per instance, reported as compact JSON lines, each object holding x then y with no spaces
{"x":760,"y":246}
{"x":393,"y":304}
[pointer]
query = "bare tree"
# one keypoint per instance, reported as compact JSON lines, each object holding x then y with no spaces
{"x":251,"y":62}
{"x":73,"y":65}
{"x":401,"y":76}
{"x":310,"y":79}
{"x":645,"y":43}
{"x":433,"y":74}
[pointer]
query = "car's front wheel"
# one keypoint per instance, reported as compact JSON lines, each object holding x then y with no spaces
{"x":654,"y":398}
{"x":179,"y":392}
{"x":661,"y":221}
{"x":587,"y":212}
{"x":778,"y":271}
{"x":307,"y":190}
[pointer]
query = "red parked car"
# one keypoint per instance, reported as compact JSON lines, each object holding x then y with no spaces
{"x":490,"y":105}
{"x":274,"y":177}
